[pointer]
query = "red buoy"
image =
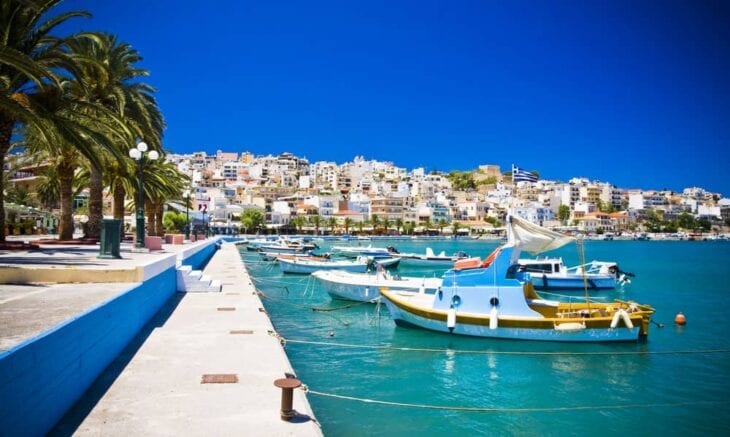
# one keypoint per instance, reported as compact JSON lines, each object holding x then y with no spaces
{"x":679,"y":319}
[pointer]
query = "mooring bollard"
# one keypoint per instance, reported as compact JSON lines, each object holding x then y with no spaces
{"x":287,"y":386}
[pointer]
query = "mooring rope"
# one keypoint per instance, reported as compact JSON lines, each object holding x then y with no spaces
{"x":508,"y":409}
{"x":489,"y":352}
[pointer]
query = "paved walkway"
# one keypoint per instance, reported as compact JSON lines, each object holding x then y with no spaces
{"x":154,"y":387}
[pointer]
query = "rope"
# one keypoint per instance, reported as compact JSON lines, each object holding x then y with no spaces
{"x":487,"y":352}
{"x":509,"y":410}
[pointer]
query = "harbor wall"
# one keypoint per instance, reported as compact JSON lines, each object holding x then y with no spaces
{"x":41,"y":378}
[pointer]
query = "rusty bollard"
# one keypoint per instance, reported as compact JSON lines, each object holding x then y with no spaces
{"x":287,"y":386}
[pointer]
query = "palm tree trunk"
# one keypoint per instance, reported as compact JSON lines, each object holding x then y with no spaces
{"x":65,"y":181}
{"x":118,"y":202}
{"x":96,"y":203}
{"x":160,"y":226}
{"x":6,"y":130}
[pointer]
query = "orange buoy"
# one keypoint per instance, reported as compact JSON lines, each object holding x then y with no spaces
{"x":679,"y":319}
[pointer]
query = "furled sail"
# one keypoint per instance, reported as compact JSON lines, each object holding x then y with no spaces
{"x":533,"y":238}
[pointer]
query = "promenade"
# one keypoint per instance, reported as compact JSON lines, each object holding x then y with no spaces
{"x":155,"y":386}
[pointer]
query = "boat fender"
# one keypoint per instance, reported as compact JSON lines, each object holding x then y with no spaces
{"x":367,"y":291}
{"x":422,"y":289}
{"x":493,"y":316}
{"x":456,"y":301}
{"x":621,"y":315}
{"x":494,"y":301}
{"x":440,"y":293}
{"x":451,"y":319}
{"x":544,"y":281}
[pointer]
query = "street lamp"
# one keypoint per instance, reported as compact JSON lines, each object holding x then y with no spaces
{"x":138,"y":154}
{"x":186,"y":196}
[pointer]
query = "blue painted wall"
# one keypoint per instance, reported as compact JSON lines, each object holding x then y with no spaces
{"x":43,"y":377}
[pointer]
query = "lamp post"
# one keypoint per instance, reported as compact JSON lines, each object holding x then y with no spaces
{"x":139,"y":155}
{"x":186,"y":196}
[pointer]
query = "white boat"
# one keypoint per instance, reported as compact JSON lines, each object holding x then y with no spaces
{"x":386,"y":262}
{"x":355,"y":251}
{"x":305,"y":266}
{"x":552,"y":274}
{"x":365,"y":287}
{"x":430,"y":258}
{"x":485,"y":299}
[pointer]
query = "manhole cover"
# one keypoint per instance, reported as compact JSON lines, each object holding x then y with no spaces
{"x":219,"y":378}
{"x":226,"y":309}
{"x":242,"y":331}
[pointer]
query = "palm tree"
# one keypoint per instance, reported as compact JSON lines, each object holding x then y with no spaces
{"x":163,"y":183}
{"x":316,"y":221}
{"x":441,"y":225}
{"x":298,"y":222}
{"x":375,"y":222}
{"x":31,"y":61}
{"x":109,"y":79}
{"x":399,"y":224}
{"x":332,"y":223}
{"x":347,"y":224}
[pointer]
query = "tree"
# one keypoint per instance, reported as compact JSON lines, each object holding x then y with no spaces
{"x":31,"y":60}
{"x":375,"y":222}
{"x":174,"y":221}
{"x":107,"y":78}
{"x":441,"y":225}
{"x":251,"y":219}
{"x":686,"y":221}
{"x":563,"y":213}
{"x":332,"y":224}
{"x":298,"y":222}
{"x":347,"y":224}
{"x":455,"y":226}
{"x":316,"y":221}
{"x":399,"y":224}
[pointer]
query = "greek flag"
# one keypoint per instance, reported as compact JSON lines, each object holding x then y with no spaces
{"x":520,"y":175}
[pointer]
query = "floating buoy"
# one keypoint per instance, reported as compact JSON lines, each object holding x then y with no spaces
{"x":679,"y":319}
{"x":332,"y":333}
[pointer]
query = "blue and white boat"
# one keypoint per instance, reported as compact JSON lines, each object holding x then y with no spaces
{"x":488,"y":300}
{"x":552,"y":274}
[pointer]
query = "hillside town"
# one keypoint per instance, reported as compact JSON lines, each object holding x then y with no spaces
{"x":375,"y":197}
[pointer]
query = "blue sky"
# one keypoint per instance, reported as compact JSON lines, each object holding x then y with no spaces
{"x":632,"y":92}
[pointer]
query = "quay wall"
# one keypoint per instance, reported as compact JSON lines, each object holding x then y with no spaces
{"x":41,"y":378}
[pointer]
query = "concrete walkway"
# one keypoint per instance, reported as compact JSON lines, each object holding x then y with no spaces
{"x":155,"y":386}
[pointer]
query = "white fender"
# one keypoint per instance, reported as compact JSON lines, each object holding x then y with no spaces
{"x":622,"y":315}
{"x":626,"y":319}
{"x":451,"y":319}
{"x":493,"y":318}
{"x":367,"y":291}
{"x":422,"y":289}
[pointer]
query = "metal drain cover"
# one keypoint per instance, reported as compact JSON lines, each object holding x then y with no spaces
{"x":219,"y":378}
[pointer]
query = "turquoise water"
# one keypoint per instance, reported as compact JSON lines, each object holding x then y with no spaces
{"x":429,"y":383}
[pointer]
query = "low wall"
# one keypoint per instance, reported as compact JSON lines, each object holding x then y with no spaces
{"x":43,"y":377}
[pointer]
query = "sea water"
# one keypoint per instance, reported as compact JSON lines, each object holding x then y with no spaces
{"x":368,"y":377}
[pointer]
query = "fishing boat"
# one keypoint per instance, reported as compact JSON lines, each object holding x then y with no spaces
{"x":430,"y":259}
{"x":487,"y":300}
{"x":552,"y":274}
{"x":365,"y":287}
{"x":306,"y":266}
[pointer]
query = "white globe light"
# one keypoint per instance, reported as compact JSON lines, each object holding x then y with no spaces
{"x":135,"y":153}
{"x":153,"y":155}
{"x":142,"y":146}
{"x":186,"y":194}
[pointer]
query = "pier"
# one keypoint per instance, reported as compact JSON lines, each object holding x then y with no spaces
{"x":90,"y":358}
